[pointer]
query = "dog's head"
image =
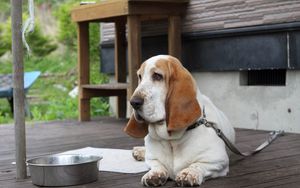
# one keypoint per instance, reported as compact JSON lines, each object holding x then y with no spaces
{"x":166,"y":92}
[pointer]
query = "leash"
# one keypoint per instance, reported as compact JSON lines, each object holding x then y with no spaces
{"x":271,"y":137}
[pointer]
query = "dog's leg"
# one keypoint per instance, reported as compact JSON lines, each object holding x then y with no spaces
{"x":195,"y":174}
{"x":157,"y":176}
{"x":138,"y":153}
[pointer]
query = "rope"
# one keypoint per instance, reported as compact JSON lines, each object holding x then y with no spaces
{"x":29,"y":25}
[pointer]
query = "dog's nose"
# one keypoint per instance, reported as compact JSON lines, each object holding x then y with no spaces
{"x":136,"y":102}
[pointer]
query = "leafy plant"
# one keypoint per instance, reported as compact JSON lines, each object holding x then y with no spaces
{"x":67,"y":29}
{"x":67,"y":33}
{"x":5,"y":115}
{"x":39,"y":44}
{"x":49,"y":99}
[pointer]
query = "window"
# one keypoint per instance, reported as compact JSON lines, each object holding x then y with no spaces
{"x":263,"y":77}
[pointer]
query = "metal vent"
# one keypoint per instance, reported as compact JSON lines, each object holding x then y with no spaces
{"x":264,"y":77}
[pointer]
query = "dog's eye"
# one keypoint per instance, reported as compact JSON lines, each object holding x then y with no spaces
{"x":140,"y":77}
{"x":157,"y":77}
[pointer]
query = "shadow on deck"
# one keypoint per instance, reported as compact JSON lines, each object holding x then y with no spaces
{"x":276,"y":166}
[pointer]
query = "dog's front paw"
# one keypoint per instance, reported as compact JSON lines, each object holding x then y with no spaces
{"x":138,"y":153}
{"x":155,"y":178}
{"x":189,"y":177}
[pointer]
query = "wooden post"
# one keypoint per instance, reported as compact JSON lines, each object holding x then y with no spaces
{"x":18,"y":88}
{"x":134,"y":51}
{"x":174,"y":36}
{"x":120,"y":64}
{"x":83,"y":69}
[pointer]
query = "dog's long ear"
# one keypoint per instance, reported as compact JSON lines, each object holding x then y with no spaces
{"x":182,"y":107}
{"x":136,"y":129}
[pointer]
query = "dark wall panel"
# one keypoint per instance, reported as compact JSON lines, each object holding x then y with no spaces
{"x":266,"y":51}
{"x":255,"y":48}
{"x":107,"y":59}
{"x":294,"y":50}
{"x":151,"y":46}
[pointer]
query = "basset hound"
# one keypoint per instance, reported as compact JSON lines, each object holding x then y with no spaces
{"x":167,"y":103}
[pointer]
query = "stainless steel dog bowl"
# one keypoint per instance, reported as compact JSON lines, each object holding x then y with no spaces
{"x":63,"y":170}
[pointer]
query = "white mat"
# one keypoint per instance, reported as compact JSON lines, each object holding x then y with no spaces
{"x":114,"y":160}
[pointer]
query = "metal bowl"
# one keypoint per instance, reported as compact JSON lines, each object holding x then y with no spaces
{"x":63,"y":170}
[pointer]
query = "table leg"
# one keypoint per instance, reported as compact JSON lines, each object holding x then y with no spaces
{"x":174,"y":36}
{"x":83,"y":69}
{"x":134,"y":51}
{"x":120,"y":64}
{"x":11,"y":104}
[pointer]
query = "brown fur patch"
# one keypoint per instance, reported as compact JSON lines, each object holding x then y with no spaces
{"x":182,"y":107}
{"x":136,"y":129}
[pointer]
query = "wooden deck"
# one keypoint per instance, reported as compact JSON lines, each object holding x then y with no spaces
{"x":276,"y":166}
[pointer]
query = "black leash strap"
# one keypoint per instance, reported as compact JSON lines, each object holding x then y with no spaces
{"x":271,"y":137}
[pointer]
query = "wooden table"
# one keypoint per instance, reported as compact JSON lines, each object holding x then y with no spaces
{"x":122,"y":12}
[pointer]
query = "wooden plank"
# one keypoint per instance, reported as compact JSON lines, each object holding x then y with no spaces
{"x":134,"y":51}
{"x":174,"y":36}
{"x":103,"y":90}
{"x":109,"y":10}
{"x":156,"y":8}
{"x":91,"y":93}
{"x":120,"y":65}
{"x":161,"y":1}
{"x":83,"y":69}
{"x":110,"y":86}
{"x":98,"y":11}
{"x":18,"y":89}
{"x":277,"y":166}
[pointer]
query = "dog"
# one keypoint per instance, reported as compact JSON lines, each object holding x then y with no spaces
{"x":166,"y":104}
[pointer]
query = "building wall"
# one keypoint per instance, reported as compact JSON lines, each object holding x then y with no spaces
{"x":250,"y":107}
{"x":267,"y":32}
{"x":204,"y":15}
{"x":254,"y":107}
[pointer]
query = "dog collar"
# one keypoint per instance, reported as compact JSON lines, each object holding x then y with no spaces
{"x":201,"y":121}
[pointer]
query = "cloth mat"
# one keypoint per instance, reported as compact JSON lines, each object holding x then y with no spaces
{"x":114,"y":160}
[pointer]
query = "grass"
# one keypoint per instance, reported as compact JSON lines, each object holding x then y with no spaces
{"x":48,"y":97}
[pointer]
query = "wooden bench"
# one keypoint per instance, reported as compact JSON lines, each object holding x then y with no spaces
{"x":122,"y":12}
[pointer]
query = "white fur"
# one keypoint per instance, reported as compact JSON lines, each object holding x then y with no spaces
{"x":153,"y":109}
{"x":188,"y":157}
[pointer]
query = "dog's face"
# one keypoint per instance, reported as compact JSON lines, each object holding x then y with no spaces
{"x":148,"y":100}
{"x":166,"y":93}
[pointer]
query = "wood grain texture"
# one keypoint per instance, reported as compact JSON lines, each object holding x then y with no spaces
{"x":134,"y":51}
{"x":18,"y":88}
{"x":83,"y":68}
{"x":276,"y":166}
{"x":106,"y":9}
{"x":215,"y":15}
{"x":120,"y":65}
{"x":174,"y":36}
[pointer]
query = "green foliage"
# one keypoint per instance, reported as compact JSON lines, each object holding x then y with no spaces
{"x":39,"y":44}
{"x":59,"y":68}
{"x":57,"y":110}
{"x":67,"y":33}
{"x":5,"y":114}
{"x":67,"y":29}
{"x":5,"y":38}
{"x":52,"y":89}
{"x":4,"y":9}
